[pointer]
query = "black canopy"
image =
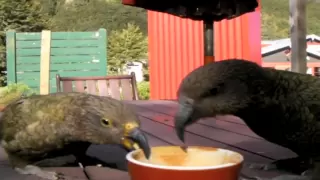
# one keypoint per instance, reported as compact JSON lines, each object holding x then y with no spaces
{"x":214,"y":10}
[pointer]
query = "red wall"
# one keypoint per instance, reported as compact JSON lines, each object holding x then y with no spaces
{"x":176,"y":47}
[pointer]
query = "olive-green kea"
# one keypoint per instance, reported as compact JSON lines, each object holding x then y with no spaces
{"x":282,"y":107}
{"x":40,"y":130}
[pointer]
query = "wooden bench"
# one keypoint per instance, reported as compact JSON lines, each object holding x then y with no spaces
{"x":121,"y":87}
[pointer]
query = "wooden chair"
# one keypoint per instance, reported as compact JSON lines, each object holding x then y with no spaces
{"x":121,"y":87}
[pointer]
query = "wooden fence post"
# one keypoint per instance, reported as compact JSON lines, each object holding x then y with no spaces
{"x":11,"y":56}
{"x":45,"y":62}
{"x":298,"y":35}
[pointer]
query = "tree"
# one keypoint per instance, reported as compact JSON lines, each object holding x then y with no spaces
{"x":19,"y":15}
{"x":275,"y":18}
{"x":124,"y":46}
{"x":273,"y":27}
{"x":90,"y":15}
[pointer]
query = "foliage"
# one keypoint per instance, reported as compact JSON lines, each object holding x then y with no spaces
{"x":124,"y":46}
{"x":2,"y":64}
{"x":90,"y":15}
{"x":144,"y":90}
{"x":21,"y":16}
{"x":275,"y":18}
{"x":14,"y":91}
{"x":49,"y":7}
{"x":145,"y":71}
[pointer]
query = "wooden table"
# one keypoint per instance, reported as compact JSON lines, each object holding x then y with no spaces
{"x":157,"y":122}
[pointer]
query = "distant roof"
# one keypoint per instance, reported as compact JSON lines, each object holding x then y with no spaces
{"x":275,"y":46}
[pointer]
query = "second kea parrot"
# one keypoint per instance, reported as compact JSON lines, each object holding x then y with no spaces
{"x":282,"y":107}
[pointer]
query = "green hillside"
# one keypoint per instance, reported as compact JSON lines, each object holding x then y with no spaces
{"x":113,"y":16}
{"x":275,"y":18}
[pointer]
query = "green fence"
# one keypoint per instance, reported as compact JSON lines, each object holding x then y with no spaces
{"x":73,"y":54}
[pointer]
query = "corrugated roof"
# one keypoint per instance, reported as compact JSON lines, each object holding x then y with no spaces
{"x":273,"y":47}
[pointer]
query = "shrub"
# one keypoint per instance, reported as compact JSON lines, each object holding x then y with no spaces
{"x":144,"y":90}
{"x":14,"y":91}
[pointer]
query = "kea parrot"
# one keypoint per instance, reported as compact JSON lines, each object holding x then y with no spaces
{"x":42,"y":130}
{"x":282,"y":107}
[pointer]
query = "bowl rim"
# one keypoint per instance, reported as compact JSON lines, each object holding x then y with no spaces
{"x":130,"y":158}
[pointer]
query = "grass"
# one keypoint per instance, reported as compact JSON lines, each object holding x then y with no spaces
{"x":14,"y":91}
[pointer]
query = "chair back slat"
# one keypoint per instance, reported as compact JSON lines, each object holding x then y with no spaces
{"x":80,"y":86}
{"x":121,"y":87}
{"x":67,"y":86}
{"x":103,"y":88}
{"x":127,"y":90}
{"x":91,"y":85}
{"x":114,"y":88}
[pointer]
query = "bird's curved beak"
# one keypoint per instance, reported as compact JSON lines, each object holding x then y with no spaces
{"x":134,"y":139}
{"x":183,"y":118}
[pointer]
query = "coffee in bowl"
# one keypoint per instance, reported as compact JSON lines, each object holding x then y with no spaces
{"x":196,"y":163}
{"x":194,"y":156}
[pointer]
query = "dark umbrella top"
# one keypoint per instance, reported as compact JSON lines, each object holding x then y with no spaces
{"x":210,"y":10}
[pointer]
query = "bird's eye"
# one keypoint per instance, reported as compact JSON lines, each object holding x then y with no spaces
{"x":213,"y":91}
{"x":106,"y":122}
{"x":217,"y":89}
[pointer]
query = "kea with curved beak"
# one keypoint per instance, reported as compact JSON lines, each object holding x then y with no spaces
{"x":280,"y":106}
{"x":40,"y":130}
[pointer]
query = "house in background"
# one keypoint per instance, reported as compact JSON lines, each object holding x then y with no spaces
{"x":276,"y":54}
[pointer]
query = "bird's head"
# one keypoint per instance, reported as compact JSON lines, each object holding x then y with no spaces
{"x":218,"y":88}
{"x":109,"y":121}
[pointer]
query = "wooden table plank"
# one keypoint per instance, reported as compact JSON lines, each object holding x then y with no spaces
{"x":227,"y":122}
{"x":70,"y":173}
{"x":159,"y":125}
{"x":7,"y":173}
{"x":170,"y":108}
{"x":102,"y":173}
{"x":167,"y":134}
{"x":235,"y":139}
{"x":228,"y":126}
{"x":253,"y":145}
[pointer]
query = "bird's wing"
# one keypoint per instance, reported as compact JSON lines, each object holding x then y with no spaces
{"x":309,"y":91}
{"x":303,"y":87}
{"x":9,"y":125}
{"x":26,"y":121}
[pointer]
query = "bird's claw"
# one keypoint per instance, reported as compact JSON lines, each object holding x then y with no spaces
{"x":51,"y":175}
{"x":281,"y":177}
{"x":293,"y":165}
{"x":258,"y":166}
{"x":308,"y":172}
{"x":246,"y":177}
{"x":60,"y":176}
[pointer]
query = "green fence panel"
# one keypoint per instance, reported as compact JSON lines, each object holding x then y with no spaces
{"x":73,"y":54}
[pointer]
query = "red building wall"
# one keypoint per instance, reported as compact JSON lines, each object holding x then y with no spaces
{"x":176,"y":47}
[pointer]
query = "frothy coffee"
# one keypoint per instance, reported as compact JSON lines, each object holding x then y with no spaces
{"x":195,"y":156}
